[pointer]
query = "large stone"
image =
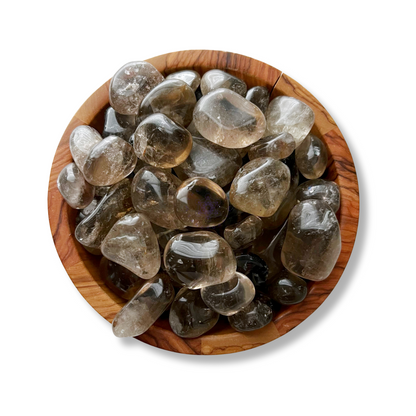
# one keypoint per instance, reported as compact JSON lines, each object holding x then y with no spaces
{"x":287,"y":289}
{"x":326,"y":191}
{"x":81,"y":142}
{"x":311,"y":157}
{"x":259,"y":96}
{"x":254,"y":267}
{"x":119,"y":124}
{"x":242,"y":234}
{"x":192,"y":78}
{"x":277,"y":146}
{"x":215,"y":78}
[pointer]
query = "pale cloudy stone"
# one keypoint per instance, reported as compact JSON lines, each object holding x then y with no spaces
{"x":215,"y":78}
{"x":240,"y":235}
{"x":259,"y":96}
{"x":327,"y":191}
{"x":277,"y":146}
{"x":81,"y":142}
{"x":192,"y":78}
{"x":311,"y":157}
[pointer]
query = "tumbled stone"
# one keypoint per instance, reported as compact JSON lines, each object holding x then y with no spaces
{"x":313,"y":240}
{"x":201,"y":203}
{"x":287,"y":114}
{"x":287,"y":289}
{"x":311,"y":157}
{"x":146,"y":306}
{"x":254,"y":267}
{"x":118,"y":124}
{"x":189,"y":316}
{"x":192,"y":78}
{"x":81,"y":142}
{"x":109,"y":162}
{"x":259,"y":96}
{"x":199,"y":259}
{"x":229,"y":297}
{"x":240,"y":235}
{"x":131,"y":83}
{"x":215,"y":78}
{"x":164,"y":235}
{"x":91,"y":231}
{"x":277,"y":146}
{"x":76,"y":191}
{"x":132,"y":243}
{"x":172,"y":97}
{"x":161,"y":142}
{"x":260,"y":186}
{"x":87,"y":210}
{"x":209,"y":160}
{"x":225,"y":118}
{"x":326,"y":191}
{"x":153,"y":193}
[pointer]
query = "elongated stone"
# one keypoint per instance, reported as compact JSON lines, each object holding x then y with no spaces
{"x":229,"y":297}
{"x":199,"y":259}
{"x":192,"y":78}
{"x":189,"y":316}
{"x":161,"y":142}
{"x":311,"y":157}
{"x":287,"y":114}
{"x":76,"y":191}
{"x":132,"y":243}
{"x":215,"y":78}
{"x":118,"y":124}
{"x":138,"y":315}
{"x":201,"y":203}
{"x":260,"y":186}
{"x":109,"y":162}
{"x":172,"y":97}
{"x":81,"y":142}
{"x":313,"y":240}
{"x":259,"y":96}
{"x":240,"y":235}
{"x":131,"y":83}
{"x":287,"y":288}
{"x":326,"y":191}
{"x":225,"y":118}
{"x":277,"y":146}
{"x":91,"y":231}
{"x":211,"y":161}
{"x":254,"y":267}
{"x":153,"y":193}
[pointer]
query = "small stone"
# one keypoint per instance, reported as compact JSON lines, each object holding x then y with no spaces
{"x":172,"y":97}
{"x":161,"y":142}
{"x":287,"y":289}
{"x":259,"y":96}
{"x":199,"y":259}
{"x":254,"y":267}
{"x":138,"y":315}
{"x":132,"y":243}
{"x":254,"y":316}
{"x":189,"y":316}
{"x":240,"y":235}
{"x":87,"y":210}
{"x":287,"y":114}
{"x":229,"y":297}
{"x":277,"y":146}
{"x":215,"y":78}
{"x":227,"y":119}
{"x":81,"y":142}
{"x":260,"y":186}
{"x":201,"y":203}
{"x":311,"y":157}
{"x":73,"y":187}
{"x":119,"y":125}
{"x":313,"y":240}
{"x":321,"y":189}
{"x":192,"y":78}
{"x":131,"y":83}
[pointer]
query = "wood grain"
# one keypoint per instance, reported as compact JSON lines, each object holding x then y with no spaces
{"x":83,"y":268}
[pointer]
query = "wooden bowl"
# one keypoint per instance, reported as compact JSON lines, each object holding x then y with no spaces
{"x":83,"y":268}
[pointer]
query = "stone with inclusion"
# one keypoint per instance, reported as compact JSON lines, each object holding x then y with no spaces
{"x":146,"y":306}
{"x":277,"y":146}
{"x":76,"y":191}
{"x":326,"y":191}
{"x":229,"y":297}
{"x":311,"y":157}
{"x":109,"y":162}
{"x":287,"y":114}
{"x":260,"y":186}
{"x":118,"y":124}
{"x":211,"y":161}
{"x":286,"y":288}
{"x":225,"y":118}
{"x":240,"y":235}
{"x":192,"y":78}
{"x":153,"y":194}
{"x":161,"y":142}
{"x":313,"y":240}
{"x":91,"y":231}
{"x":199,"y":259}
{"x":172,"y":97}
{"x":259,"y":96}
{"x":201,"y":203}
{"x":81,"y":142}
{"x":215,"y":78}
{"x":131,"y":83}
{"x":189,"y":316}
{"x":132,"y":243}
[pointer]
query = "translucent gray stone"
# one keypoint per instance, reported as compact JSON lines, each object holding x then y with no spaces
{"x":259,"y":96}
{"x":118,"y":124}
{"x":311,"y":157}
{"x":215,"y":78}
{"x":254,"y":316}
{"x":87,"y":210}
{"x":277,"y":146}
{"x":327,"y":191}
{"x":164,"y":235}
{"x":287,"y":288}
{"x":192,"y":78}
{"x":81,"y":142}
{"x":240,"y":235}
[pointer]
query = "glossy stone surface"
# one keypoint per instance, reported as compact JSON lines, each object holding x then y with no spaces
{"x":189,"y":316}
{"x":215,"y":78}
{"x":254,"y":267}
{"x":132,"y":243}
{"x":201,"y":203}
{"x":229,"y":297}
{"x":109,"y":162}
{"x":81,"y":142}
{"x":211,"y":161}
{"x":287,"y":289}
{"x":199,"y":259}
{"x":240,"y":235}
{"x":73,"y":187}
{"x":164,"y":235}
{"x":192,"y":78}
{"x":313,"y":240}
{"x":227,"y":119}
{"x":131,"y":83}
{"x":118,"y":124}
{"x":312,"y":157}
{"x":277,"y":146}
{"x":287,"y":114}
{"x":161,"y":142}
{"x":259,"y":96}
{"x":138,"y":315}
{"x":321,"y":189}
{"x":254,"y":316}
{"x":172,"y":97}
{"x":87,"y":210}
{"x":260,"y":186}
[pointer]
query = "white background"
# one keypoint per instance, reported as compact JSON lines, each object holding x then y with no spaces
{"x":355,"y":355}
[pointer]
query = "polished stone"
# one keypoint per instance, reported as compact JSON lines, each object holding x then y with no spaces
{"x":287,"y":288}
{"x":311,"y":157}
{"x":259,"y":96}
{"x":81,"y":142}
{"x":242,"y":234}
{"x":192,"y":78}
{"x":215,"y":78}
{"x":254,"y":267}
{"x":164,"y":235}
{"x":277,"y":146}
{"x":87,"y":210}
{"x":326,"y":191}
{"x":118,"y":124}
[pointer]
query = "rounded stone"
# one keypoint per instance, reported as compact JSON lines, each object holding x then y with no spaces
{"x":311,"y":157}
{"x":81,"y":142}
{"x":259,"y":96}
{"x":254,"y":267}
{"x":192,"y":78}
{"x":254,"y":316}
{"x":287,"y":289}
{"x":215,"y":78}
{"x":240,"y":235}
{"x":326,"y":191}
{"x":277,"y":146}
{"x":118,"y":124}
